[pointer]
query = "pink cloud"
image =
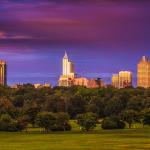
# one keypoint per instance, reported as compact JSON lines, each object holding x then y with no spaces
{"x":2,"y":35}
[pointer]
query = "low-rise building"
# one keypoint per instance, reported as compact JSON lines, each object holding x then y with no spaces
{"x":89,"y":83}
{"x":38,"y":85}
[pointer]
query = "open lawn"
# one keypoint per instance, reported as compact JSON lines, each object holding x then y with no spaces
{"x":127,"y":139}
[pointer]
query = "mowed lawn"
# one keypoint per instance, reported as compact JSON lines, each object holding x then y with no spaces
{"x":127,"y":139}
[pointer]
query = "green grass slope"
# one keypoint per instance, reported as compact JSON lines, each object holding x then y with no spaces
{"x":128,"y":139}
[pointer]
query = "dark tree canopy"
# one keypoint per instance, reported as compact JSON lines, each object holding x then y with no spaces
{"x":104,"y":102}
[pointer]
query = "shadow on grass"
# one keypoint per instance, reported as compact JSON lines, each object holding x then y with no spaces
{"x":119,"y":131}
{"x":131,"y":131}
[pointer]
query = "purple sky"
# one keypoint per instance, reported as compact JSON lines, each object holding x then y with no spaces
{"x":100,"y":36}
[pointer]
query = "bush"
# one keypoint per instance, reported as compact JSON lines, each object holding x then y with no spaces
{"x":53,"y":121}
{"x":112,"y":123}
{"x":65,"y":127}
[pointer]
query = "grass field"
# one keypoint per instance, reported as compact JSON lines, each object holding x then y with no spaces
{"x":127,"y":139}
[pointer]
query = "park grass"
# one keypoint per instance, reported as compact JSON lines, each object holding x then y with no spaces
{"x":127,"y":139}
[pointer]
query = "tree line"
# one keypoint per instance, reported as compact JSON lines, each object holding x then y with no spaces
{"x":51,"y":108}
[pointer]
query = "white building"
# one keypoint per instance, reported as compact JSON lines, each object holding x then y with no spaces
{"x":68,"y":73}
{"x":68,"y":67}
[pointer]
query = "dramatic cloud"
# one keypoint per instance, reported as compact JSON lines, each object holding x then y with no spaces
{"x":100,"y":35}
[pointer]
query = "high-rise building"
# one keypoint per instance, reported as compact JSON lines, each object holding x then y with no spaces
{"x":122,"y":80}
{"x":68,"y":67}
{"x":68,"y":73}
{"x":125,"y":79}
{"x":3,"y":73}
{"x":143,"y":73}
{"x":115,"y":80}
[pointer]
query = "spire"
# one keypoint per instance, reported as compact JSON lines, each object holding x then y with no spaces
{"x":66,"y":56}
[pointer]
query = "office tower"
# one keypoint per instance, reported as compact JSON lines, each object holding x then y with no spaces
{"x":68,"y":67}
{"x":68,"y":73}
{"x":115,"y":80}
{"x":143,"y":73}
{"x":3,"y":73}
{"x":122,"y":80}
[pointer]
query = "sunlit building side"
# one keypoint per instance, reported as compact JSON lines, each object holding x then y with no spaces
{"x":89,"y":83}
{"x":68,"y":73}
{"x":125,"y":79}
{"x":143,"y":73}
{"x":115,"y":80}
{"x":122,"y":80}
{"x":3,"y":73}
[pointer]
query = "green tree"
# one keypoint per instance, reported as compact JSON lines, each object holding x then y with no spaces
{"x":23,"y":122}
{"x":146,"y":118}
{"x":31,"y":109}
{"x":112,"y":122}
{"x":5,"y":105}
{"x":46,"y":120}
{"x":9,"y":124}
{"x":136,"y":103}
{"x":62,"y":122}
{"x":114,"y":106}
{"x":18,"y":101}
{"x":130,"y":116}
{"x":87,"y":121}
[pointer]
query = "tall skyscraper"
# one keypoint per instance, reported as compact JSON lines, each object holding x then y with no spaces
{"x":143,"y":73}
{"x":122,"y":80}
{"x":68,"y":73}
{"x":68,"y":67}
{"x":3,"y":73}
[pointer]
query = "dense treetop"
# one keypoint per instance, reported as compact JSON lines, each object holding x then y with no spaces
{"x":28,"y":102}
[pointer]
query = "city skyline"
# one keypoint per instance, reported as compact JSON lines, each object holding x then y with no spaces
{"x":68,"y":72}
{"x":101,"y":37}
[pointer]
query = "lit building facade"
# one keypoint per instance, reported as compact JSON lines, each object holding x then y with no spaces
{"x":115,"y":80}
{"x":89,"y":83}
{"x":68,"y":73}
{"x":125,"y":79}
{"x":122,"y":80}
{"x":143,"y":73}
{"x":81,"y":81}
{"x":38,"y":85}
{"x":3,"y":73}
{"x":68,"y":67}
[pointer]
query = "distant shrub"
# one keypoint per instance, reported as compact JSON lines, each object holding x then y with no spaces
{"x":58,"y":127}
{"x":53,"y":121}
{"x":112,"y":123}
